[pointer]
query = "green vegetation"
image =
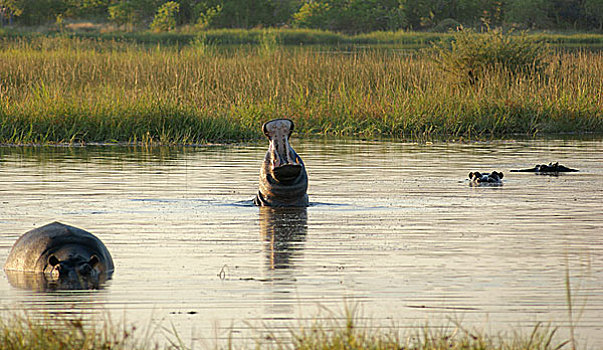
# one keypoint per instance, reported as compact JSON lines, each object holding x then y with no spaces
{"x":470,"y":57}
{"x":64,"y":89}
{"x":18,"y":332}
{"x":350,"y":16}
{"x":286,"y":37}
{"x":22,"y":333}
{"x":165,"y":19}
{"x":346,"y":333}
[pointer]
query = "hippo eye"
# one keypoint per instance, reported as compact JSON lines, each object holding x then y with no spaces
{"x":53,"y":261}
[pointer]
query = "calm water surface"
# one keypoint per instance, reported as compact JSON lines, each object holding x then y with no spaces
{"x":394,"y":230}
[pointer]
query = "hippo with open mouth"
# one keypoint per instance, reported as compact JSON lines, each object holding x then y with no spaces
{"x":493,"y":178}
{"x":283,"y":177}
{"x":58,"y":256}
{"x":551,"y":168}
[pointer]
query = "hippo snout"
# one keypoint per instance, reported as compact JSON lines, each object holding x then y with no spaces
{"x":278,"y":132}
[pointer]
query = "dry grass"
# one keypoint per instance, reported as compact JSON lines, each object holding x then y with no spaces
{"x":67,"y":89}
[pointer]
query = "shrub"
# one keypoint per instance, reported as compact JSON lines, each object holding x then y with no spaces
{"x":312,"y":15}
{"x":165,"y":19}
{"x":470,"y":55}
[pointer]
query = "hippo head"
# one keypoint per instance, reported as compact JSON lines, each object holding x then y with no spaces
{"x":72,"y":273}
{"x":494,"y":177}
{"x":285,"y":164}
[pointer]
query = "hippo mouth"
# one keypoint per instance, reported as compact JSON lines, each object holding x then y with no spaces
{"x":287,"y":172}
{"x":285,"y":165}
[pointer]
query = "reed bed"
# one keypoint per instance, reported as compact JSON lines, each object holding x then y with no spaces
{"x":65,"y":89}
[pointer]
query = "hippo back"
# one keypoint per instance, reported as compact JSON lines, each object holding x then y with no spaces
{"x":31,"y":251}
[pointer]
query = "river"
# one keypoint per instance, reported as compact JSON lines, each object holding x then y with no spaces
{"x":394,"y":230}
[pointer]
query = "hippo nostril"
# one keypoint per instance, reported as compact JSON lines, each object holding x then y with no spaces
{"x":86,"y":269}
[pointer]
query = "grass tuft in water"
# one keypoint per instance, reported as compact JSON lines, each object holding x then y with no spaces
{"x":19,"y":332}
{"x":347,"y":332}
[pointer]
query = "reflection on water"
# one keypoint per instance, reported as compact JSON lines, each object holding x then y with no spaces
{"x":283,"y":231}
{"x":394,"y":227}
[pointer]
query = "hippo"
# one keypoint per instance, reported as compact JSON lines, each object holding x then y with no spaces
{"x":551,"y":168}
{"x":493,"y":178}
{"x":58,"y":256}
{"x":283,"y":177}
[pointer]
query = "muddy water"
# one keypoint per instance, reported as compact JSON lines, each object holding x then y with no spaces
{"x":394,"y":230}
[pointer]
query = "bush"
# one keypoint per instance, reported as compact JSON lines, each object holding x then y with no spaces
{"x":165,"y":19}
{"x":470,"y":55}
{"x":312,"y":15}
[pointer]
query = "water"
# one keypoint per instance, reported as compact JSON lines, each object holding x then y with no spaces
{"x":394,"y":230}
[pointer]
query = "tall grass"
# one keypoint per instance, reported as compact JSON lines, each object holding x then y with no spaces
{"x":18,"y":332}
{"x":346,"y":332}
{"x":58,"y":89}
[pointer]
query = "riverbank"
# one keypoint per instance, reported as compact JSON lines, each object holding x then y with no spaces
{"x":288,"y":37}
{"x":64,"y":89}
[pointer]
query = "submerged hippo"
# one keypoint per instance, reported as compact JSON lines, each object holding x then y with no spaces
{"x":283,"y":177}
{"x":493,"y":178}
{"x":551,"y":168}
{"x":58,"y":256}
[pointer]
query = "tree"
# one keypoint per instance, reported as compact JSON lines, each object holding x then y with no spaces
{"x":237,"y":13}
{"x":530,"y":13}
{"x":352,"y":15}
{"x":87,"y":8}
{"x":134,"y":12}
{"x":8,"y":10}
{"x":313,"y":15}
{"x":566,"y":13}
{"x":594,"y":9}
{"x":165,"y":19}
{"x":40,"y":11}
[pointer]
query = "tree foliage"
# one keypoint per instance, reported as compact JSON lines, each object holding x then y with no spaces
{"x":165,"y":19}
{"x":351,"y":16}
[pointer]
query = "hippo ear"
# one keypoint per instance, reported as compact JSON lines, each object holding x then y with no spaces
{"x":264,"y":130}
{"x":471,"y":175}
{"x":500,"y":174}
{"x":93,"y":260}
{"x":53,"y":261}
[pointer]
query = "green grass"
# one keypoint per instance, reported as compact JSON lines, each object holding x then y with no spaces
{"x":19,"y":332}
{"x":73,"y":89}
{"x":184,"y":35}
{"x":346,"y":332}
